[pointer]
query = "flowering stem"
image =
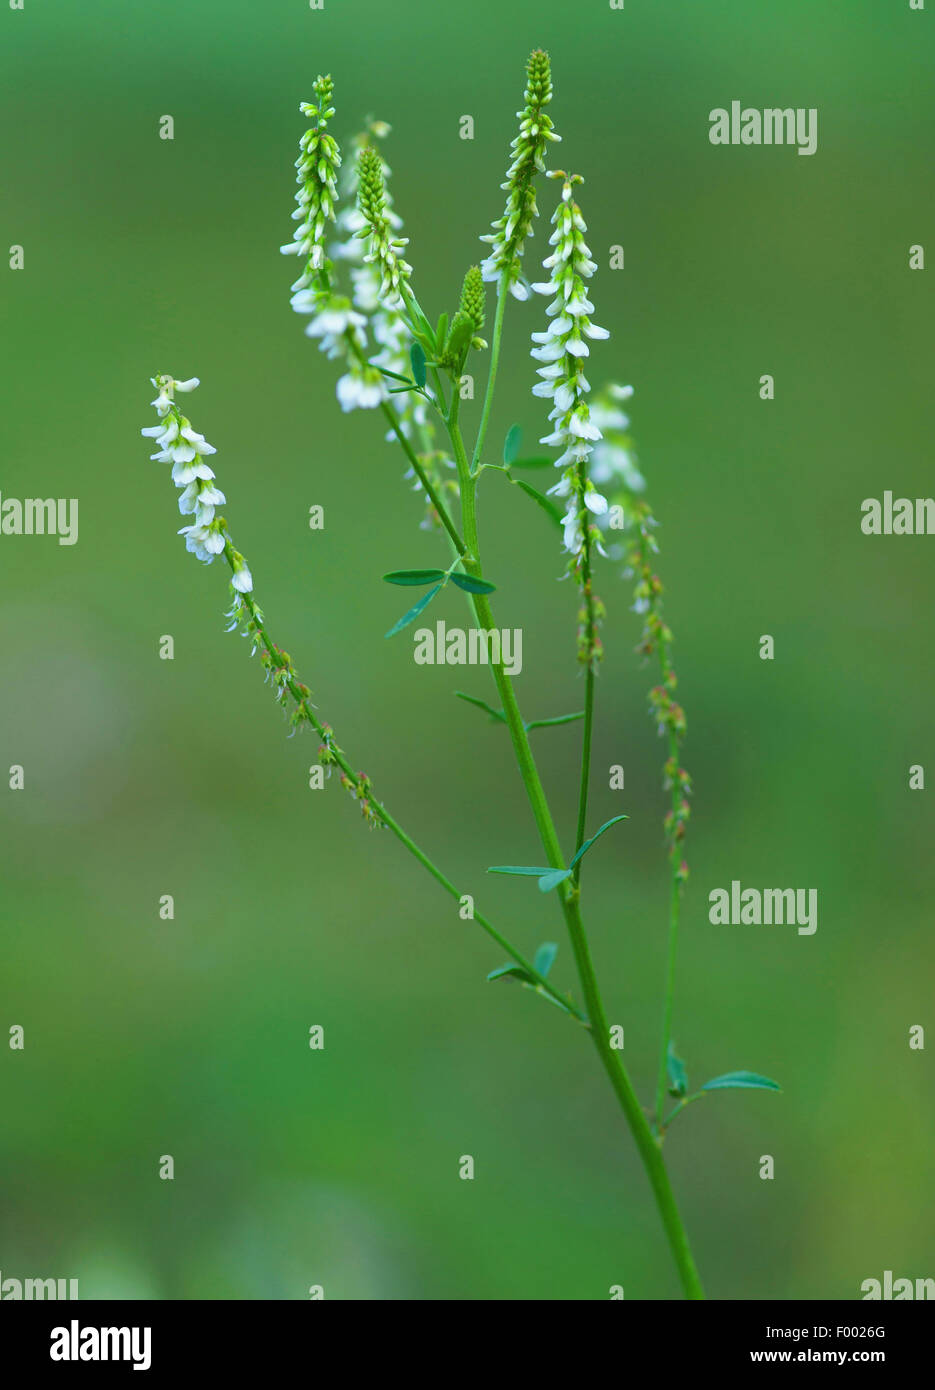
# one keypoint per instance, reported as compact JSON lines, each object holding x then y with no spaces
{"x":502,"y":292}
{"x":675,"y":898}
{"x":356,"y":780}
{"x":590,"y":644}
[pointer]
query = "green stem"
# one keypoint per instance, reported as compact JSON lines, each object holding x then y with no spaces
{"x":590,"y":654}
{"x":675,"y":898}
{"x":502,"y":292}
{"x":646,"y":1142}
{"x":585,"y":764}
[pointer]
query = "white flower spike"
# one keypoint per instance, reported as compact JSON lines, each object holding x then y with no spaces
{"x":563,"y":350}
{"x":184,"y":448}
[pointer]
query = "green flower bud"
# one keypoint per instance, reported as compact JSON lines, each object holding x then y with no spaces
{"x":472,"y":298}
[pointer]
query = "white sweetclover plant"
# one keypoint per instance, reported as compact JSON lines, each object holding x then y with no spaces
{"x":395,"y":360}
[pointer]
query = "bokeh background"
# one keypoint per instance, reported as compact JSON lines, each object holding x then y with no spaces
{"x":146,"y":777}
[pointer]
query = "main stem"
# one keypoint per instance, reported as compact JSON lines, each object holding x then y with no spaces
{"x":675,"y":897}
{"x":590,"y":654}
{"x":646,"y":1142}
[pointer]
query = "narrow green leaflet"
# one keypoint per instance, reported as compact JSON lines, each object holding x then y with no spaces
{"x":515,"y":970}
{"x":417,"y":358}
{"x":511,"y":444}
{"x":544,"y":958}
{"x":414,"y":576}
{"x":748,"y":1079}
{"x":414,"y":611}
{"x":548,"y":878}
{"x":441,"y":332}
{"x":547,"y":505}
{"x":470,"y":585}
{"x":559,"y":719}
{"x":552,"y":879}
{"x":596,"y":836}
{"x":678,"y":1076}
{"x":425,"y":332}
{"x":482,"y":704}
{"x":525,"y":869}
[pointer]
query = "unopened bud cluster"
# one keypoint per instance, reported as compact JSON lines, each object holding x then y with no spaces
{"x":528,"y":150}
{"x":317,"y":165}
{"x":467,"y":322}
{"x":385,"y":247}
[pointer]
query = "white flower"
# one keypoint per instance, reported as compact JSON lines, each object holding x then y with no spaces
{"x":204,"y":541}
{"x":243,"y":580}
{"x":612,"y":464}
{"x":201,"y":499}
{"x":334,"y":319}
{"x":562,"y":350}
{"x":571,"y":529}
{"x":355,"y":391}
{"x":186,"y":472}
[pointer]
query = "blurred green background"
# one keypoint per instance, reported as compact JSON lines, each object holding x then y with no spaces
{"x":146,"y":777}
